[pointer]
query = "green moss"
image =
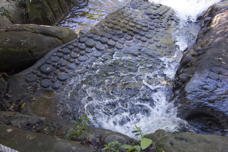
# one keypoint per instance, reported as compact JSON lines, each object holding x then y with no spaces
{"x":4,"y":12}
{"x":80,"y":127}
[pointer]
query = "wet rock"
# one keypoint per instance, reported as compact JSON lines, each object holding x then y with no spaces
{"x":45,"y":83}
{"x":82,"y":58}
{"x":3,"y":87}
{"x":11,"y":12}
{"x":188,"y":142}
{"x":116,"y":73}
{"x":52,"y":127}
{"x":46,"y":69}
{"x":201,"y":81}
{"x":4,"y":21}
{"x":63,"y":76}
{"x":41,"y":106}
{"x":22,"y":45}
{"x":60,"y":128}
{"x":49,"y":11}
{"x":26,"y":141}
{"x":98,"y":137}
{"x":57,"y":85}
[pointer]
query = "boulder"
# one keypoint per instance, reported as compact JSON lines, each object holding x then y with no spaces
{"x":4,"y":20}
{"x":201,"y":82}
{"x":188,"y":142}
{"x":11,"y":11}
{"x":61,"y":128}
{"x":49,"y":11}
{"x":27,"y":141}
{"x":22,"y":45}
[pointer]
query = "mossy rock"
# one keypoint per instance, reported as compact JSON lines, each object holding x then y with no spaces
{"x":188,"y":142}
{"x":22,"y":45}
{"x":48,"y":11}
{"x":27,"y":141}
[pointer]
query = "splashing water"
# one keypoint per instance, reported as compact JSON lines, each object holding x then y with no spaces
{"x":96,"y":10}
{"x":187,"y":9}
{"x":149,"y":107}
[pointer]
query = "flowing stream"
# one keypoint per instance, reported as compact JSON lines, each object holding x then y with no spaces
{"x":150,"y":107}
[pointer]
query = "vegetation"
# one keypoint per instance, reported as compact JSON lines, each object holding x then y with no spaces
{"x":79,"y":128}
{"x":4,"y":12}
{"x":117,"y":147}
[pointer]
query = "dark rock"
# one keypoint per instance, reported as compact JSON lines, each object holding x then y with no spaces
{"x":201,"y":81}
{"x":55,"y":58}
{"x":81,"y":46}
{"x":111,"y":43}
{"x":74,"y":55}
{"x":100,"y":46}
{"x":63,"y":76}
{"x":65,"y":51}
{"x":26,"y":141}
{"x":104,"y":40}
{"x":90,"y":42}
{"x":48,"y":11}
{"x":46,"y":68}
{"x":96,"y":53}
{"x":60,"y":128}
{"x":31,"y":78}
{"x":45,"y":83}
{"x":89,"y":50}
{"x":11,"y":13}
{"x":22,"y":45}
{"x":57,"y":85}
{"x":188,"y":142}
{"x":99,"y":69}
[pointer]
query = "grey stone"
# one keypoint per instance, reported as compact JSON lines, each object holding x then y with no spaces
{"x":45,"y":83}
{"x":46,"y":68}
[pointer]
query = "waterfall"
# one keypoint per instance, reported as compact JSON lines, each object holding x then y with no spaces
{"x":149,"y":106}
{"x":187,"y":9}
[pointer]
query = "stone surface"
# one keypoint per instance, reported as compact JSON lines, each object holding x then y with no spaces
{"x":48,"y":12}
{"x":82,"y":72}
{"x":60,"y":128}
{"x":201,"y":81}
{"x":109,"y":57}
{"x":27,"y":141}
{"x":22,"y":45}
{"x":188,"y":142}
{"x":11,"y":12}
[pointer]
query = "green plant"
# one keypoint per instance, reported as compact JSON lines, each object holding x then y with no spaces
{"x":112,"y":147}
{"x":144,"y":142}
{"x":79,"y":128}
{"x":143,"y":145}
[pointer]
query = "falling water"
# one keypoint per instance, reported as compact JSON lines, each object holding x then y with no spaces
{"x":150,"y":107}
{"x":86,"y":17}
{"x":187,"y":9}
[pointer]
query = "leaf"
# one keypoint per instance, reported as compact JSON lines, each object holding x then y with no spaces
{"x":128,"y":147}
{"x":145,"y":143}
{"x":137,"y":148}
{"x":137,"y":131}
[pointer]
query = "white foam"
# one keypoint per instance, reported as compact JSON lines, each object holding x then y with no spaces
{"x":187,"y":9}
{"x":163,"y":113}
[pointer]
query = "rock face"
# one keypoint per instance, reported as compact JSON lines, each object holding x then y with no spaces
{"x":11,"y":12}
{"x":27,"y":141}
{"x":32,"y":125}
{"x":49,"y":11}
{"x":202,"y":80}
{"x":22,"y":45}
{"x":188,"y":142}
{"x":131,"y":39}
